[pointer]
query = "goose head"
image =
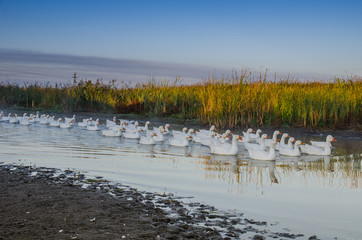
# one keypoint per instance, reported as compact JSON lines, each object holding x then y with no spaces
{"x":188,"y":137}
{"x":250,"y":130}
{"x":276,"y":133}
{"x":237,"y":137}
{"x":259,"y":131}
{"x":191,"y":130}
{"x":264,"y":136}
{"x":184,"y":130}
{"x":228,"y":132}
{"x":274,"y":142}
{"x":330,"y":138}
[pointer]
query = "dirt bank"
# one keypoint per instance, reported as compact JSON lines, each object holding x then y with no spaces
{"x":43,"y":203}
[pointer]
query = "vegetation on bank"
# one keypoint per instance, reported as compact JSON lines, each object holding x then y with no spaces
{"x":223,"y":102}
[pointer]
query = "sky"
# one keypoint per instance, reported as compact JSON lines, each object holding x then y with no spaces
{"x":133,"y":41}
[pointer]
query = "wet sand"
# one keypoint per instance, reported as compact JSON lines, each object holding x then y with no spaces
{"x":45,"y":203}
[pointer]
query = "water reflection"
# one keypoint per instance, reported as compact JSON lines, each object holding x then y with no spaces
{"x":230,"y":182}
{"x":329,"y":170}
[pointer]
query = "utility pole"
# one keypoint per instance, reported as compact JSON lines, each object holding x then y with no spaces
{"x":75,"y":78}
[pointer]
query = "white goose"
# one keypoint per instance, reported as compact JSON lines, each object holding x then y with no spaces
{"x":159,"y":135}
{"x":32,"y":118}
{"x":111,"y":124}
{"x":180,"y":142}
{"x":222,"y":138}
{"x":204,"y":136}
{"x":291,"y":140}
{"x":313,"y":150}
{"x":112,"y":132}
{"x":14,"y":119}
{"x":65,"y":125}
{"x":94,"y":127}
{"x":69,"y":120}
{"x":6,"y":119}
{"x":226,"y":148}
{"x":282,"y":141}
{"x":206,"y":140}
{"x":256,"y":136}
{"x":268,"y":142}
{"x":264,"y":155}
{"x":134,"y":135}
{"x":247,"y":134}
{"x":56,"y":123}
{"x":44,"y":119}
{"x":321,"y":144}
{"x":255,"y":146}
{"x":167,"y":129}
{"x":293,"y":152}
{"x":183,"y":132}
{"x":132,"y":127}
{"x":24,"y":120}
{"x":85,"y":122}
{"x":206,"y":132}
{"x":122,"y":126}
{"x":145,"y":128}
{"x":148,"y":139}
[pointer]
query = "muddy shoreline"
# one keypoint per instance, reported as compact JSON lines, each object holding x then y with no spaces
{"x":46,"y":203}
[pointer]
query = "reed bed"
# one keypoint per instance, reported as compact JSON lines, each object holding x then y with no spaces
{"x":235,"y":102}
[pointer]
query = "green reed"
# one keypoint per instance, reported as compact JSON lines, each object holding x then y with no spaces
{"x":225,"y":102}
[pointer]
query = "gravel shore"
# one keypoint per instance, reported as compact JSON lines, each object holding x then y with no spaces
{"x":46,"y":203}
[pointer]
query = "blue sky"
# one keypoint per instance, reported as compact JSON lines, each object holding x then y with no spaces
{"x":305,"y":39}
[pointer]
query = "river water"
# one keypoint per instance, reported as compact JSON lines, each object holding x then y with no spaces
{"x":307,"y":194}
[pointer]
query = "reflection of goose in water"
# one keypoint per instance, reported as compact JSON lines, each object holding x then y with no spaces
{"x":227,"y":161}
{"x":310,"y":158}
{"x":265,"y":164}
{"x":225,"y":158}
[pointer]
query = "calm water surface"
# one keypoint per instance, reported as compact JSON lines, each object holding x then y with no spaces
{"x":309,"y":195}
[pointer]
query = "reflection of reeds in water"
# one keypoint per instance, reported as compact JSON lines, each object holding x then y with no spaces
{"x":340,"y":172}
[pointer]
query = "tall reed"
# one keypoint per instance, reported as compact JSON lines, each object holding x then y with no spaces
{"x":226,"y":102}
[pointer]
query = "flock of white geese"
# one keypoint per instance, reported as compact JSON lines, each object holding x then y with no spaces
{"x":258,"y":145}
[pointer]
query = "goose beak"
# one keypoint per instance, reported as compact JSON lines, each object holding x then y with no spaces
{"x":301,"y":143}
{"x":288,"y":136}
{"x":277,"y":140}
{"x":333,"y":139}
{"x":294,"y":140}
{"x":267,"y":137}
{"x":240,"y":138}
{"x":252,"y":131}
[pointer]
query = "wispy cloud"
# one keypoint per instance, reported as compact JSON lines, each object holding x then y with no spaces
{"x":25,"y":66}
